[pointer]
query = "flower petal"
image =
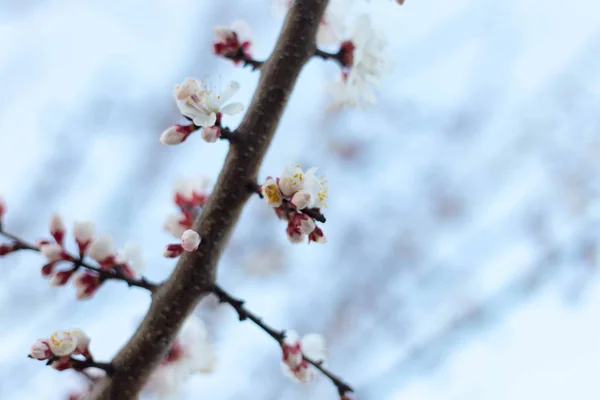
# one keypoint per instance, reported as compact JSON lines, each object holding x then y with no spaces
{"x":314,"y":347}
{"x":233,"y":108}
{"x":228,"y":92}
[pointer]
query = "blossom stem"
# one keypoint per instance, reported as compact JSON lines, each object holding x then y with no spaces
{"x":104,"y":274}
{"x":330,"y":56}
{"x":240,"y":56}
{"x":80,"y":365}
{"x":244,"y":314}
{"x":314,"y":213}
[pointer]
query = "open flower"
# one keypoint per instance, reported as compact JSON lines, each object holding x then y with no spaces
{"x":202,"y":104}
{"x":271,"y":193}
{"x":311,"y":346}
{"x":63,"y":343}
{"x":190,"y":353}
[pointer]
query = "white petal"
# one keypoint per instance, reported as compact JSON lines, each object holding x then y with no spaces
{"x":301,"y":199}
{"x":232,"y":108}
{"x":228,"y":92}
{"x":52,"y":251}
{"x":173,"y":226}
{"x":243,"y":30}
{"x":83,"y":231}
{"x":132,"y":256}
{"x":314,"y":347}
{"x":101,"y":248}
{"x":205,"y":120}
{"x":292,"y":180}
{"x":62,"y":343}
{"x":291,"y":338}
{"x":210,"y":134}
{"x":56,"y":224}
{"x":172,"y":136}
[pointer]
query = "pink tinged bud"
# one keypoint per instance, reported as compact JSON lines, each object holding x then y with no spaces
{"x":83,"y":341}
{"x":176,"y":134}
{"x":62,"y":343}
{"x":60,"y":278}
{"x":102,"y":250}
{"x":307,"y":225}
{"x":190,"y":240}
{"x":347,"y":52}
{"x":84,"y":233}
{"x":301,"y":199}
{"x":53,"y":252}
{"x":317,"y":236}
{"x":57,"y":228}
{"x":2,"y":208}
{"x":294,"y":235}
{"x":40,"y":350}
{"x":6,"y":249}
{"x":86,"y":285}
{"x":47,"y":269}
{"x":173,"y":250}
{"x":210,"y":134}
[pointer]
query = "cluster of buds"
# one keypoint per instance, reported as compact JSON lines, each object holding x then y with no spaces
{"x":234,"y":43}
{"x":296,"y":191}
{"x":295,"y":352}
{"x":128,"y":262}
{"x":190,"y":240}
{"x":190,"y":195}
{"x":60,"y":347}
{"x":190,"y":353}
{"x":204,"y":105}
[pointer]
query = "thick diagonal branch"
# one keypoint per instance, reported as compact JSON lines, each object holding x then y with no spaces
{"x":195,"y":272}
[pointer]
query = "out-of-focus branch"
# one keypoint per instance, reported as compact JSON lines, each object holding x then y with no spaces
{"x":195,"y":272}
{"x":244,"y":314}
{"x":103,"y":274}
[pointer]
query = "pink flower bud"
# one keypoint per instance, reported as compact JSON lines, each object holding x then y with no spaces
{"x":102,"y":250}
{"x":210,"y":134}
{"x":60,"y":278}
{"x":86,"y":284}
{"x":317,"y":236}
{"x":6,"y":249}
{"x":57,"y":228}
{"x":47,"y":269}
{"x":53,"y":252}
{"x":190,"y":240}
{"x":301,"y":199}
{"x":173,"y":250}
{"x":176,"y":134}
{"x":40,"y":350}
{"x":84,"y":233}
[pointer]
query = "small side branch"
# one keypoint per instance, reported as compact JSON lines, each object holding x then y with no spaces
{"x":339,"y":56}
{"x":245,"y":314}
{"x":104,"y":274}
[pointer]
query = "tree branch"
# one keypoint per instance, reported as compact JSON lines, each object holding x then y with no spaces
{"x":195,"y":272}
{"x":104,"y":274}
{"x":244,"y":314}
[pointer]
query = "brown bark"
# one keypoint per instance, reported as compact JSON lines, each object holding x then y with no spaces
{"x":195,"y":272}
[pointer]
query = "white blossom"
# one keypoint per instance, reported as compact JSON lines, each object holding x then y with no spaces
{"x":195,"y":355}
{"x":311,"y":346}
{"x":201,"y":103}
{"x":271,"y":194}
{"x":317,"y":187}
{"x":56,"y":226}
{"x":62,"y":343}
{"x":101,"y":248}
{"x":351,"y":90}
{"x":229,"y":40}
{"x":188,"y":187}
{"x":83,"y":232}
{"x":52,"y":251}
{"x":83,"y":340}
{"x":291,"y":180}
{"x":173,"y":226}
{"x":132,"y":256}
{"x":190,"y":240}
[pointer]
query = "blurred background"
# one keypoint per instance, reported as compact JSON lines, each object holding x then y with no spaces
{"x":463,"y":219}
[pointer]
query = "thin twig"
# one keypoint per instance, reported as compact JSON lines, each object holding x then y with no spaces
{"x":104,"y":274}
{"x":330,"y":56}
{"x":244,"y":314}
{"x":240,"y":56}
{"x":81,"y":365}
